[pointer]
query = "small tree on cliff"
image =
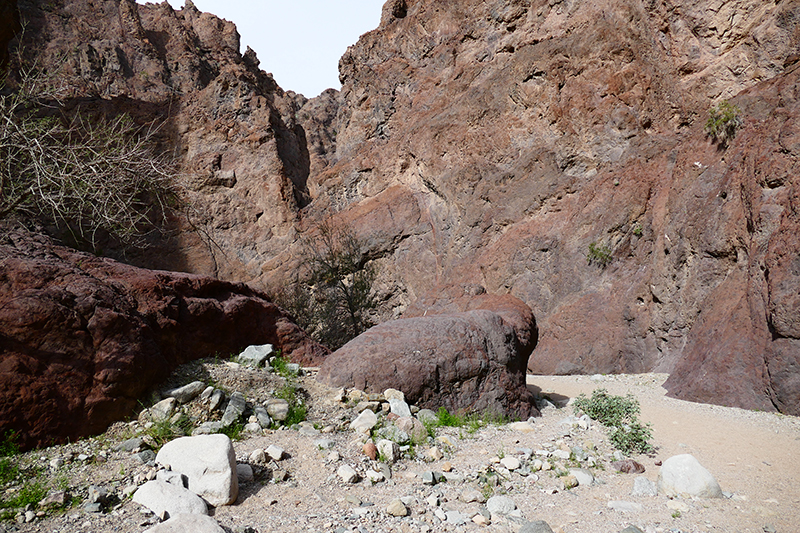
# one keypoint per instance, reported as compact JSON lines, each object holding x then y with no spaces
{"x":332,"y":297}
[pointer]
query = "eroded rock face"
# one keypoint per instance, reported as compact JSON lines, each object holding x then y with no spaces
{"x":82,"y":337}
{"x":472,"y":360}
{"x":491,"y":143}
{"x":494,"y":142}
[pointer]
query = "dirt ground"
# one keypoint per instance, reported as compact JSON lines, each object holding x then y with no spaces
{"x":753,"y":455}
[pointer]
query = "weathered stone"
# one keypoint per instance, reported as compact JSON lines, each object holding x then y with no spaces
{"x":370,"y":450}
{"x":174,"y":478}
{"x":187,"y":522}
{"x":683,"y":475}
{"x":208,"y":428}
{"x":160,"y":497}
{"x":256,"y":356}
{"x":244,"y":473}
{"x":262,"y":415}
{"x":129,"y":445}
{"x":569,"y":482}
{"x":399,"y":407}
{"x":628,"y":466}
{"x":500,"y":505}
{"x":413,"y":427}
{"x":162,"y":410}
{"x":511,"y":463}
{"x":216,"y":400}
{"x":187,"y":393}
{"x":234,"y":410}
{"x":477,"y":364}
{"x":54,"y":498}
{"x":583,"y":475}
{"x":347,"y":474}
{"x":278,"y":409}
{"x":209,"y":463}
{"x":121,"y":329}
{"x":536,"y":526}
{"x":364,"y":422}
{"x":388,"y":451}
{"x":643,"y":487}
{"x":397,"y":508}
{"x":275,"y":453}
{"x":625,"y":507}
{"x":258,"y":457}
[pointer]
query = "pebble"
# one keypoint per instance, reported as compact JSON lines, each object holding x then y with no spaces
{"x":275,"y":453}
{"x":512,"y":463}
{"x":500,"y":505}
{"x":625,"y":507}
{"x":397,"y":508}
{"x":347,"y":473}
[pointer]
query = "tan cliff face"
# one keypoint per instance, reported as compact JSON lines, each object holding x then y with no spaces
{"x":492,"y":143}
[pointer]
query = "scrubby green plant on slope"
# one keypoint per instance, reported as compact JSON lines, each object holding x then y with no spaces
{"x":724,"y":120}
{"x":620,"y":415}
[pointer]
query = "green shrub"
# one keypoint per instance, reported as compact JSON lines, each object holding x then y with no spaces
{"x":620,"y":413}
{"x":278,"y":363}
{"x":234,"y":431}
{"x":30,"y":493}
{"x":599,"y":254}
{"x":297,"y":408}
{"x":8,"y":471}
{"x":607,"y":409}
{"x":723,"y":121}
{"x":632,"y":438}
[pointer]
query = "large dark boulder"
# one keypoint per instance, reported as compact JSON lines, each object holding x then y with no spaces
{"x":83,"y":337}
{"x":472,"y":360}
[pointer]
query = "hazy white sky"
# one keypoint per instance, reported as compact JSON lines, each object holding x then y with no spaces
{"x":298,"y":41}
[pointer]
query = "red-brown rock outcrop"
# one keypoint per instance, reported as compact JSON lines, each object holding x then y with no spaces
{"x":471,"y":360}
{"x":82,"y":338}
{"x":491,"y":143}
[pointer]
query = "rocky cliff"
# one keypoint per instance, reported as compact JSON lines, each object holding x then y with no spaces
{"x":492,"y":143}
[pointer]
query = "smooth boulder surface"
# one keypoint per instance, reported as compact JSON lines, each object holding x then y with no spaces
{"x":83,"y":337}
{"x":185,"y":523}
{"x":683,"y":475}
{"x":473,"y":360}
{"x":208,"y":462}
{"x":160,"y":496}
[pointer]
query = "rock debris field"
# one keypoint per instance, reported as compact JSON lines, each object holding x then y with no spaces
{"x":355,"y":465}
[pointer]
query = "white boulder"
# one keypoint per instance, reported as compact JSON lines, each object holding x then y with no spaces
{"x":683,"y":475}
{"x":160,"y":496}
{"x":209,"y":463}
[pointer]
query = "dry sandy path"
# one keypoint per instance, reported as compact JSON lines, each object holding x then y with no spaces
{"x":754,"y":455}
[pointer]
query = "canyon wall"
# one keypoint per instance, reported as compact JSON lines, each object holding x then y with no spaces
{"x":490,"y":144}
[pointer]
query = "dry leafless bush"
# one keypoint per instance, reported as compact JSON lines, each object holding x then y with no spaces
{"x":86,"y":174}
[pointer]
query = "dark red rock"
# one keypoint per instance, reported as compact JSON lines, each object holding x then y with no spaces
{"x":83,"y":337}
{"x":472,"y":361}
{"x":628,"y":466}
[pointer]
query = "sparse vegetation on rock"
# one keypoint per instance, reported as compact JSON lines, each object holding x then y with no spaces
{"x":333,"y":297}
{"x":724,"y":120}
{"x":599,"y":254}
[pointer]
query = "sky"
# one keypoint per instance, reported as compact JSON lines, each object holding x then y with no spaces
{"x":298,"y":41}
